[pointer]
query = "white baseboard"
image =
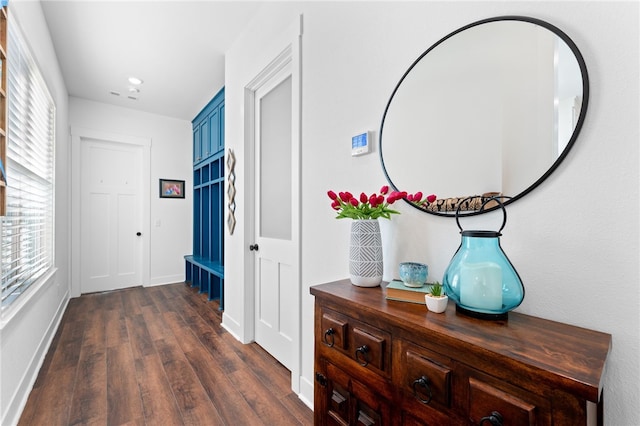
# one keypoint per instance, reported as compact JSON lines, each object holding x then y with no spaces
{"x":232,"y":326}
{"x":166,"y":279}
{"x":306,"y":392}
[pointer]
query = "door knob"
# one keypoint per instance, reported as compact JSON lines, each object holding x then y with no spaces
{"x":253,"y":247}
{"x":138,"y":233}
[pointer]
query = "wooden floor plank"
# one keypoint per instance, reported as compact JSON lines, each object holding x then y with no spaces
{"x":89,"y":401}
{"x":154,"y":320}
{"x":139,"y":337}
{"x":116,"y":328}
{"x":123,"y":395}
{"x":229,"y":402}
{"x":208,"y":330}
{"x":264,"y":403}
{"x":157,"y":356}
{"x":130,"y":304}
{"x":186,"y":339}
{"x":139,"y":294}
{"x":94,"y":338}
{"x":54,"y":400}
{"x":278,"y":379}
{"x":166,"y":297}
{"x":206,"y":325}
{"x":109,"y":301}
{"x":297,"y":408}
{"x":222,"y":351}
{"x":192,"y":399}
{"x":158,"y":402}
{"x":70,"y":345}
{"x":78,"y":310}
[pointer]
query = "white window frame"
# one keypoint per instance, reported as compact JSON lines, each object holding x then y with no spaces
{"x":27,"y":235}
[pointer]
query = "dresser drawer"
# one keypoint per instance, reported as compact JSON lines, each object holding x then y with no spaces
{"x":334,"y":330}
{"x":345,"y":337}
{"x":351,"y":402}
{"x":370,"y":347}
{"x":424,"y":378}
{"x":508,"y":405}
{"x":428,"y":380}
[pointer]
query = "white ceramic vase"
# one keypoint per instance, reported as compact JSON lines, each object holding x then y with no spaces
{"x":365,"y":253}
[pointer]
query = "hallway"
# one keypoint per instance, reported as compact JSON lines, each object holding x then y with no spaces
{"x":157,"y":356}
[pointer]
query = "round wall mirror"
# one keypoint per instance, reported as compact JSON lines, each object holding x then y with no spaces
{"x":489,"y":110}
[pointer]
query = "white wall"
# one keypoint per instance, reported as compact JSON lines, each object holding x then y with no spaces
{"x":26,"y":331}
{"x":573,"y":238}
{"x":171,"y":158}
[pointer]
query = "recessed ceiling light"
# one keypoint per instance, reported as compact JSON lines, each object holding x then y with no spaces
{"x":133,"y":89}
{"x":135,"y":80}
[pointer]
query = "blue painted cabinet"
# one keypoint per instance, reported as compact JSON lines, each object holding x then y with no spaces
{"x":208,"y":130}
{"x":205,"y":267}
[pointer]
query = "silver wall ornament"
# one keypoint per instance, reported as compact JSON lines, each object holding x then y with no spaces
{"x":231,"y":191}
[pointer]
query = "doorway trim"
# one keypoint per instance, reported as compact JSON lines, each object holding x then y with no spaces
{"x":78,"y":136}
{"x":290,"y":56}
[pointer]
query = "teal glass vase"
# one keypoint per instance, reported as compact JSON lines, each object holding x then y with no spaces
{"x":480,"y":279}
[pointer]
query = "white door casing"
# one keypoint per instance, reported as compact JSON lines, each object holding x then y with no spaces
{"x":110,"y":205}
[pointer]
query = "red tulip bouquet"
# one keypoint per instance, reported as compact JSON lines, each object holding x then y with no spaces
{"x":375,"y":205}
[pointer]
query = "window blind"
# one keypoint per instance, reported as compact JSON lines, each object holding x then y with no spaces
{"x":26,"y":249}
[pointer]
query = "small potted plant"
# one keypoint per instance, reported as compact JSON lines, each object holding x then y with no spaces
{"x":436,"y":300}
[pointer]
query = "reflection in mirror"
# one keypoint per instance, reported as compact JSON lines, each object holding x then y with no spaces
{"x":491,"y":108}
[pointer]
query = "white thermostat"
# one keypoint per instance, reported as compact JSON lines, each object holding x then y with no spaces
{"x":361,"y":144}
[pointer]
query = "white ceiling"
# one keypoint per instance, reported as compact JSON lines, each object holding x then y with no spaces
{"x":176,"y":47}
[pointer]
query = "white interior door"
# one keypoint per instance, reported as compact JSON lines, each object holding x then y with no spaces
{"x":276,"y":213}
{"x":110,"y":215}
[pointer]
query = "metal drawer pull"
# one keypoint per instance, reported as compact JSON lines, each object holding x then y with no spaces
{"x":338,"y":398}
{"x":364,"y":419}
{"x":329,"y":333}
{"x":364,"y":350}
{"x":495,"y":419}
{"x":424,"y":383}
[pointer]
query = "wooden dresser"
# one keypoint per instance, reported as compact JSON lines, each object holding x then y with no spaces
{"x":388,"y":362}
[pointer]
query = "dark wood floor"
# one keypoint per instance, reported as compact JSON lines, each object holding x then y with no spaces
{"x":157,"y":356}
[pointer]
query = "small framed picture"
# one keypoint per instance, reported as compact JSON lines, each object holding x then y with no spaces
{"x":170,"y":188}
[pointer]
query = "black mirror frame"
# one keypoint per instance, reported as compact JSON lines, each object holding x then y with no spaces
{"x":561,"y":157}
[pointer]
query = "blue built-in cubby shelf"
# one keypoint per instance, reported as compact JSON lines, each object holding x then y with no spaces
{"x":204,"y":268}
{"x":207,"y":276}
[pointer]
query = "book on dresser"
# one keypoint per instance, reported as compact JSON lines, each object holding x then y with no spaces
{"x":396,"y":290}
